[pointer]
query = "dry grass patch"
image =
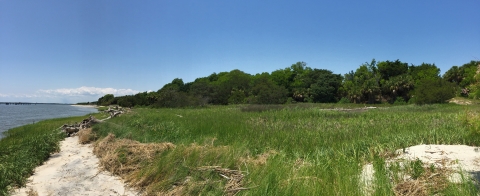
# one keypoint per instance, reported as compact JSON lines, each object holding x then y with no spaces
{"x":124,"y":157}
{"x":429,"y":183}
{"x":132,"y":161}
{"x":32,"y":192}
{"x":260,"y":159}
{"x":86,"y":136}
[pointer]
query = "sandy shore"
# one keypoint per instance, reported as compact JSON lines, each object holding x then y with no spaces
{"x":74,"y":171}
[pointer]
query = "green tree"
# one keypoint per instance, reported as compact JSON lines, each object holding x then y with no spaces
{"x":398,"y":86}
{"x":235,"y":81}
{"x":106,"y":100}
{"x":424,"y":71}
{"x":291,"y":78}
{"x":152,"y":97}
{"x":174,"y":99}
{"x":464,"y":75}
{"x":389,"y":69}
{"x":454,"y":75}
{"x":265,"y":91}
{"x":203,"y":89}
{"x":176,"y":85}
{"x":363,"y":85}
{"x":322,"y":85}
{"x":283,"y":77}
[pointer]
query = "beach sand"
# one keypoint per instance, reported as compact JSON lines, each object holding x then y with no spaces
{"x":74,"y":171}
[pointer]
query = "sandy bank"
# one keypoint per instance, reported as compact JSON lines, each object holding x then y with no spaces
{"x":74,"y":171}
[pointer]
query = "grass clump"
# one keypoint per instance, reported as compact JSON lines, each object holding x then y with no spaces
{"x":124,"y":156}
{"x":86,"y":136}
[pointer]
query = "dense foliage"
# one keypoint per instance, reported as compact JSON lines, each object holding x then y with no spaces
{"x":434,"y":91}
{"x":374,"y":82}
{"x":465,"y":78}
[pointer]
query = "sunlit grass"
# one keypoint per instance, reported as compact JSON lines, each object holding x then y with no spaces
{"x":318,"y":151}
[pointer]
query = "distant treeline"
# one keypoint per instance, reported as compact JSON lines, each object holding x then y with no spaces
{"x":374,"y":82}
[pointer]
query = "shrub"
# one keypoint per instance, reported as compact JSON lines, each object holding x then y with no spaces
{"x":344,"y":100}
{"x":400,"y":101}
{"x":434,"y":91}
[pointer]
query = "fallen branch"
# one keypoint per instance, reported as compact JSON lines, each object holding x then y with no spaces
{"x":241,"y":189}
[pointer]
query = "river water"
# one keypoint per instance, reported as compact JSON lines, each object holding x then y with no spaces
{"x":17,"y":115}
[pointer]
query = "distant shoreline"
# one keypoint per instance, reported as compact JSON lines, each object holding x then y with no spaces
{"x":85,"y":106}
{"x":30,"y":103}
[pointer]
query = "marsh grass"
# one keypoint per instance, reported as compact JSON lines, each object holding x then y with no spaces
{"x":306,"y":150}
{"x":26,"y":147}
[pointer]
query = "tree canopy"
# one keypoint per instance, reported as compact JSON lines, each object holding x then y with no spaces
{"x":371,"y":82}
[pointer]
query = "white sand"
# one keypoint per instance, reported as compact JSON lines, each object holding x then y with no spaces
{"x":461,"y":158}
{"x":465,"y":160}
{"x":74,"y":171}
{"x":458,"y":157}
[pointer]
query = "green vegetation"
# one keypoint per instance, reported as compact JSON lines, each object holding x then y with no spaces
{"x":465,"y":78}
{"x":26,"y":147}
{"x":292,"y":149}
{"x":299,"y":148}
{"x":374,"y":82}
{"x":434,"y":91}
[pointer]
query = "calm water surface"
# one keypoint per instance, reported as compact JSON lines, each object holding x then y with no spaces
{"x":17,"y":115}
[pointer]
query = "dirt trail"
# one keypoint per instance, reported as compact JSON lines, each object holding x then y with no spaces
{"x":74,"y":171}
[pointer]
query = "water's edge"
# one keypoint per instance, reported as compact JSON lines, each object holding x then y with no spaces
{"x":12,"y":116}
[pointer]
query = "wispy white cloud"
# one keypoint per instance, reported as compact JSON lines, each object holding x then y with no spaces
{"x":21,"y":95}
{"x":66,"y":95}
{"x":87,"y":91}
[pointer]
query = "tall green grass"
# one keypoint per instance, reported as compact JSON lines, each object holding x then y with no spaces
{"x":320,"y":152}
{"x":26,"y":147}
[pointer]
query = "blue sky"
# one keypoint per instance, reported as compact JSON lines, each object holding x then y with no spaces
{"x":72,"y":51}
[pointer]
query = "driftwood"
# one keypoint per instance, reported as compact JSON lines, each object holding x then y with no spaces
{"x":114,"y":111}
{"x":74,"y":128}
{"x":70,"y":130}
{"x":88,"y":122}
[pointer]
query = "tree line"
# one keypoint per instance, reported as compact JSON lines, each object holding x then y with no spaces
{"x":373,"y":82}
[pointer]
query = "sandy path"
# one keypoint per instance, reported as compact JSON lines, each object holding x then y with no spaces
{"x":74,"y":171}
